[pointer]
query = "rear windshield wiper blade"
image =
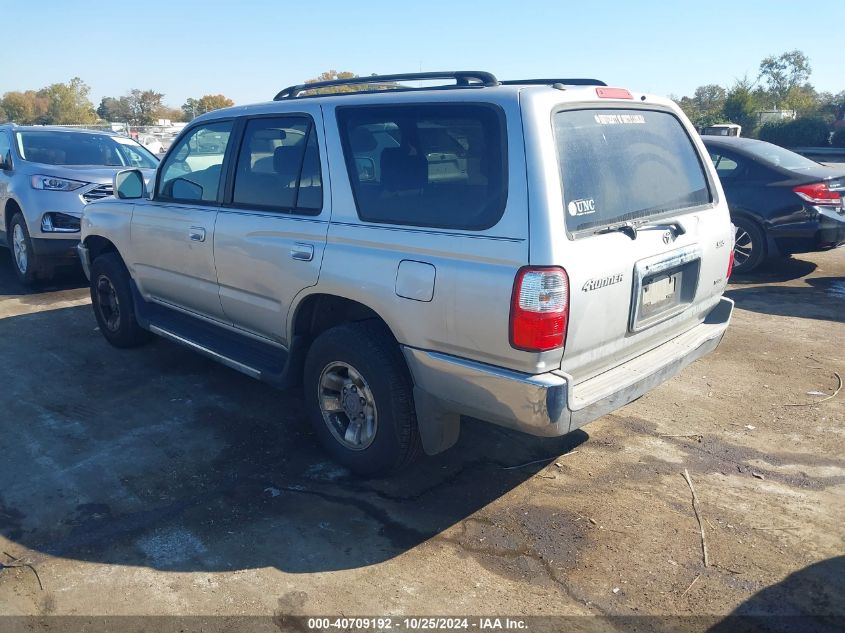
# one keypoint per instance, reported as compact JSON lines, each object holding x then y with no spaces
{"x":623,"y":227}
{"x":677,"y":228}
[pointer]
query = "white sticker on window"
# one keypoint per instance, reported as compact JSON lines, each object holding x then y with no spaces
{"x":619,"y":119}
{"x":585,"y":206}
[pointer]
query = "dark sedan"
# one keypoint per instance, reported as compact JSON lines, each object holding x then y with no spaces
{"x":781,"y":203}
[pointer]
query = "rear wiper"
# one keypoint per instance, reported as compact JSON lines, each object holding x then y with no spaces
{"x":623,"y":227}
{"x":677,"y":228}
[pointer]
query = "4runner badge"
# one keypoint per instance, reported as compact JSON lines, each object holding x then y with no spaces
{"x":602,"y":282}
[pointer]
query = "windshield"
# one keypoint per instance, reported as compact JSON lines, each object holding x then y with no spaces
{"x":52,"y":147}
{"x":618,"y":165}
{"x":778,"y":156}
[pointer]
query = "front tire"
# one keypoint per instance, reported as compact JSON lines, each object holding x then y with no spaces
{"x":27,"y":266}
{"x":111,"y":298}
{"x":359,"y":399}
{"x":749,"y":246}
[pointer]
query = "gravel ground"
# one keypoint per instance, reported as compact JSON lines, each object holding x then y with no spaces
{"x":153,"y":481}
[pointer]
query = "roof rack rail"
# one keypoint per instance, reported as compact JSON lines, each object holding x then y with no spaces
{"x":463,"y":78}
{"x":571,"y":81}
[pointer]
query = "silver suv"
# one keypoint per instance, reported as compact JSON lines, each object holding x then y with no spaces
{"x":47,"y":175}
{"x":533,"y":253}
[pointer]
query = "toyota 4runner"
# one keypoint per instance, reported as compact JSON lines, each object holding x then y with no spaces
{"x":532,"y":253}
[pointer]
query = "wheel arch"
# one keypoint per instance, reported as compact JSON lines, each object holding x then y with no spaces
{"x":12,"y":207}
{"x":98,"y":245}
{"x":315,"y":313}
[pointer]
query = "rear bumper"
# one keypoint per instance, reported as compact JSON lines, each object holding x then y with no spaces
{"x":550,"y":404}
{"x":822,"y":233}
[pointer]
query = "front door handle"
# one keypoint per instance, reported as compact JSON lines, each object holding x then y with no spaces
{"x":196,"y":234}
{"x":302,"y":252}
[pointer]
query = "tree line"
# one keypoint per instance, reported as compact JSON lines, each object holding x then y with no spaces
{"x":782,"y":83}
{"x":69,"y":103}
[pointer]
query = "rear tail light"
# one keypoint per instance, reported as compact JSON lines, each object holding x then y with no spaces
{"x":539,"y":309}
{"x":818,"y":193}
{"x":730,"y":264}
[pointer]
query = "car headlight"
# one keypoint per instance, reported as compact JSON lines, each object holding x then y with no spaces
{"x":49,"y":183}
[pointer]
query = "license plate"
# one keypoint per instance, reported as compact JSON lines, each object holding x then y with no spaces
{"x":661,"y":293}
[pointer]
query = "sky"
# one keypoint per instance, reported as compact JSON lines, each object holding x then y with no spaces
{"x":249,"y":50}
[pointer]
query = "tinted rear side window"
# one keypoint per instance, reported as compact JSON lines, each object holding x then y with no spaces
{"x":434,"y":165}
{"x":619,"y":165}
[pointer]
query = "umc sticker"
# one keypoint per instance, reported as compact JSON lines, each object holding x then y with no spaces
{"x":585,"y":206}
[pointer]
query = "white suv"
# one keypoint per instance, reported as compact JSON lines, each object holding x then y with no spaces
{"x":47,"y":175}
{"x":532,"y":253}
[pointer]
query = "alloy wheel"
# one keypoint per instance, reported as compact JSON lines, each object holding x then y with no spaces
{"x":107,"y":303}
{"x":347,"y":405}
{"x":19,"y":249}
{"x":743,"y":247}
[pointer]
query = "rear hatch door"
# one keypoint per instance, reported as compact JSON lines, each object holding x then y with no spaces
{"x":647,"y":244}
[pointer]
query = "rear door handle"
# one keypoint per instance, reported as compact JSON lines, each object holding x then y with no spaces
{"x":196,"y":234}
{"x":302,"y":252}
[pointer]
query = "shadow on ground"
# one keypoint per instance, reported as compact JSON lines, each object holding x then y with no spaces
{"x":776,"y":270}
{"x":158,"y":457}
{"x":822,"y":298}
{"x":812,"y":599}
{"x":67,"y":278}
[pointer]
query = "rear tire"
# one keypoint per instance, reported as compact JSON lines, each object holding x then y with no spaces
{"x":114,"y":308}
{"x":359,"y":399}
{"x":749,"y":245}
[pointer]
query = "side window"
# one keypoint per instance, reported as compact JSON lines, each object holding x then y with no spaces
{"x":5,"y":146}
{"x":726,"y":166}
{"x":441,"y":166}
{"x":279,"y":166}
{"x":192,"y":172}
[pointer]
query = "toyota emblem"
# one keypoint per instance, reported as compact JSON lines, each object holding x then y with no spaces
{"x":667,"y":237}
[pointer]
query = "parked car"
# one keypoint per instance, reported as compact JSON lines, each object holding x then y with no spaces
{"x":532,"y":253}
{"x":722,"y":129}
{"x":47,"y":175}
{"x":781,"y":202}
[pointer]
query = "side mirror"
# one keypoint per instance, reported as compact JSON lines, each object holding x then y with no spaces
{"x":6,"y":162}
{"x":129,"y":185}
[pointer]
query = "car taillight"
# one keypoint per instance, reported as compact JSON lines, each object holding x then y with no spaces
{"x":539,"y":309}
{"x":818,"y":193}
{"x":730,"y":264}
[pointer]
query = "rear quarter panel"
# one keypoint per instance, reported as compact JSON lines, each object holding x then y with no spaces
{"x":468,"y":315}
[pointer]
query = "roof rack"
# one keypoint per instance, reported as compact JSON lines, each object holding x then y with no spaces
{"x":463,"y":79}
{"x":572,"y":81}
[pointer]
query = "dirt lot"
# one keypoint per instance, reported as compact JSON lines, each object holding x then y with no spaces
{"x":153,"y":481}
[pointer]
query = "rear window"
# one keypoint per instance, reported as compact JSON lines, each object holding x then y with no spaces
{"x":432,"y":165}
{"x":619,"y":165}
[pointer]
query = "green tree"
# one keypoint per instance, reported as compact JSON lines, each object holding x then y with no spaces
{"x":68,"y":103}
{"x":144,"y":106}
{"x":190,"y":109}
{"x":783,"y":73}
{"x":195,"y":107}
{"x":333,"y":75}
{"x":740,"y":106}
{"x":24,"y":107}
{"x":114,"y":109}
{"x":705,"y":106}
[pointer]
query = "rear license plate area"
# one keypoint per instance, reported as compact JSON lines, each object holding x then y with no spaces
{"x":663,"y":287}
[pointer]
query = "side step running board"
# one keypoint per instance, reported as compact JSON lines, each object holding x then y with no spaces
{"x":225,"y":360}
{"x":264,"y":361}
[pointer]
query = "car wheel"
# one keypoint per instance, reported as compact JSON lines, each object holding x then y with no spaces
{"x":111,"y":297}
{"x":26,"y":264}
{"x":359,"y":398}
{"x":749,"y":245}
